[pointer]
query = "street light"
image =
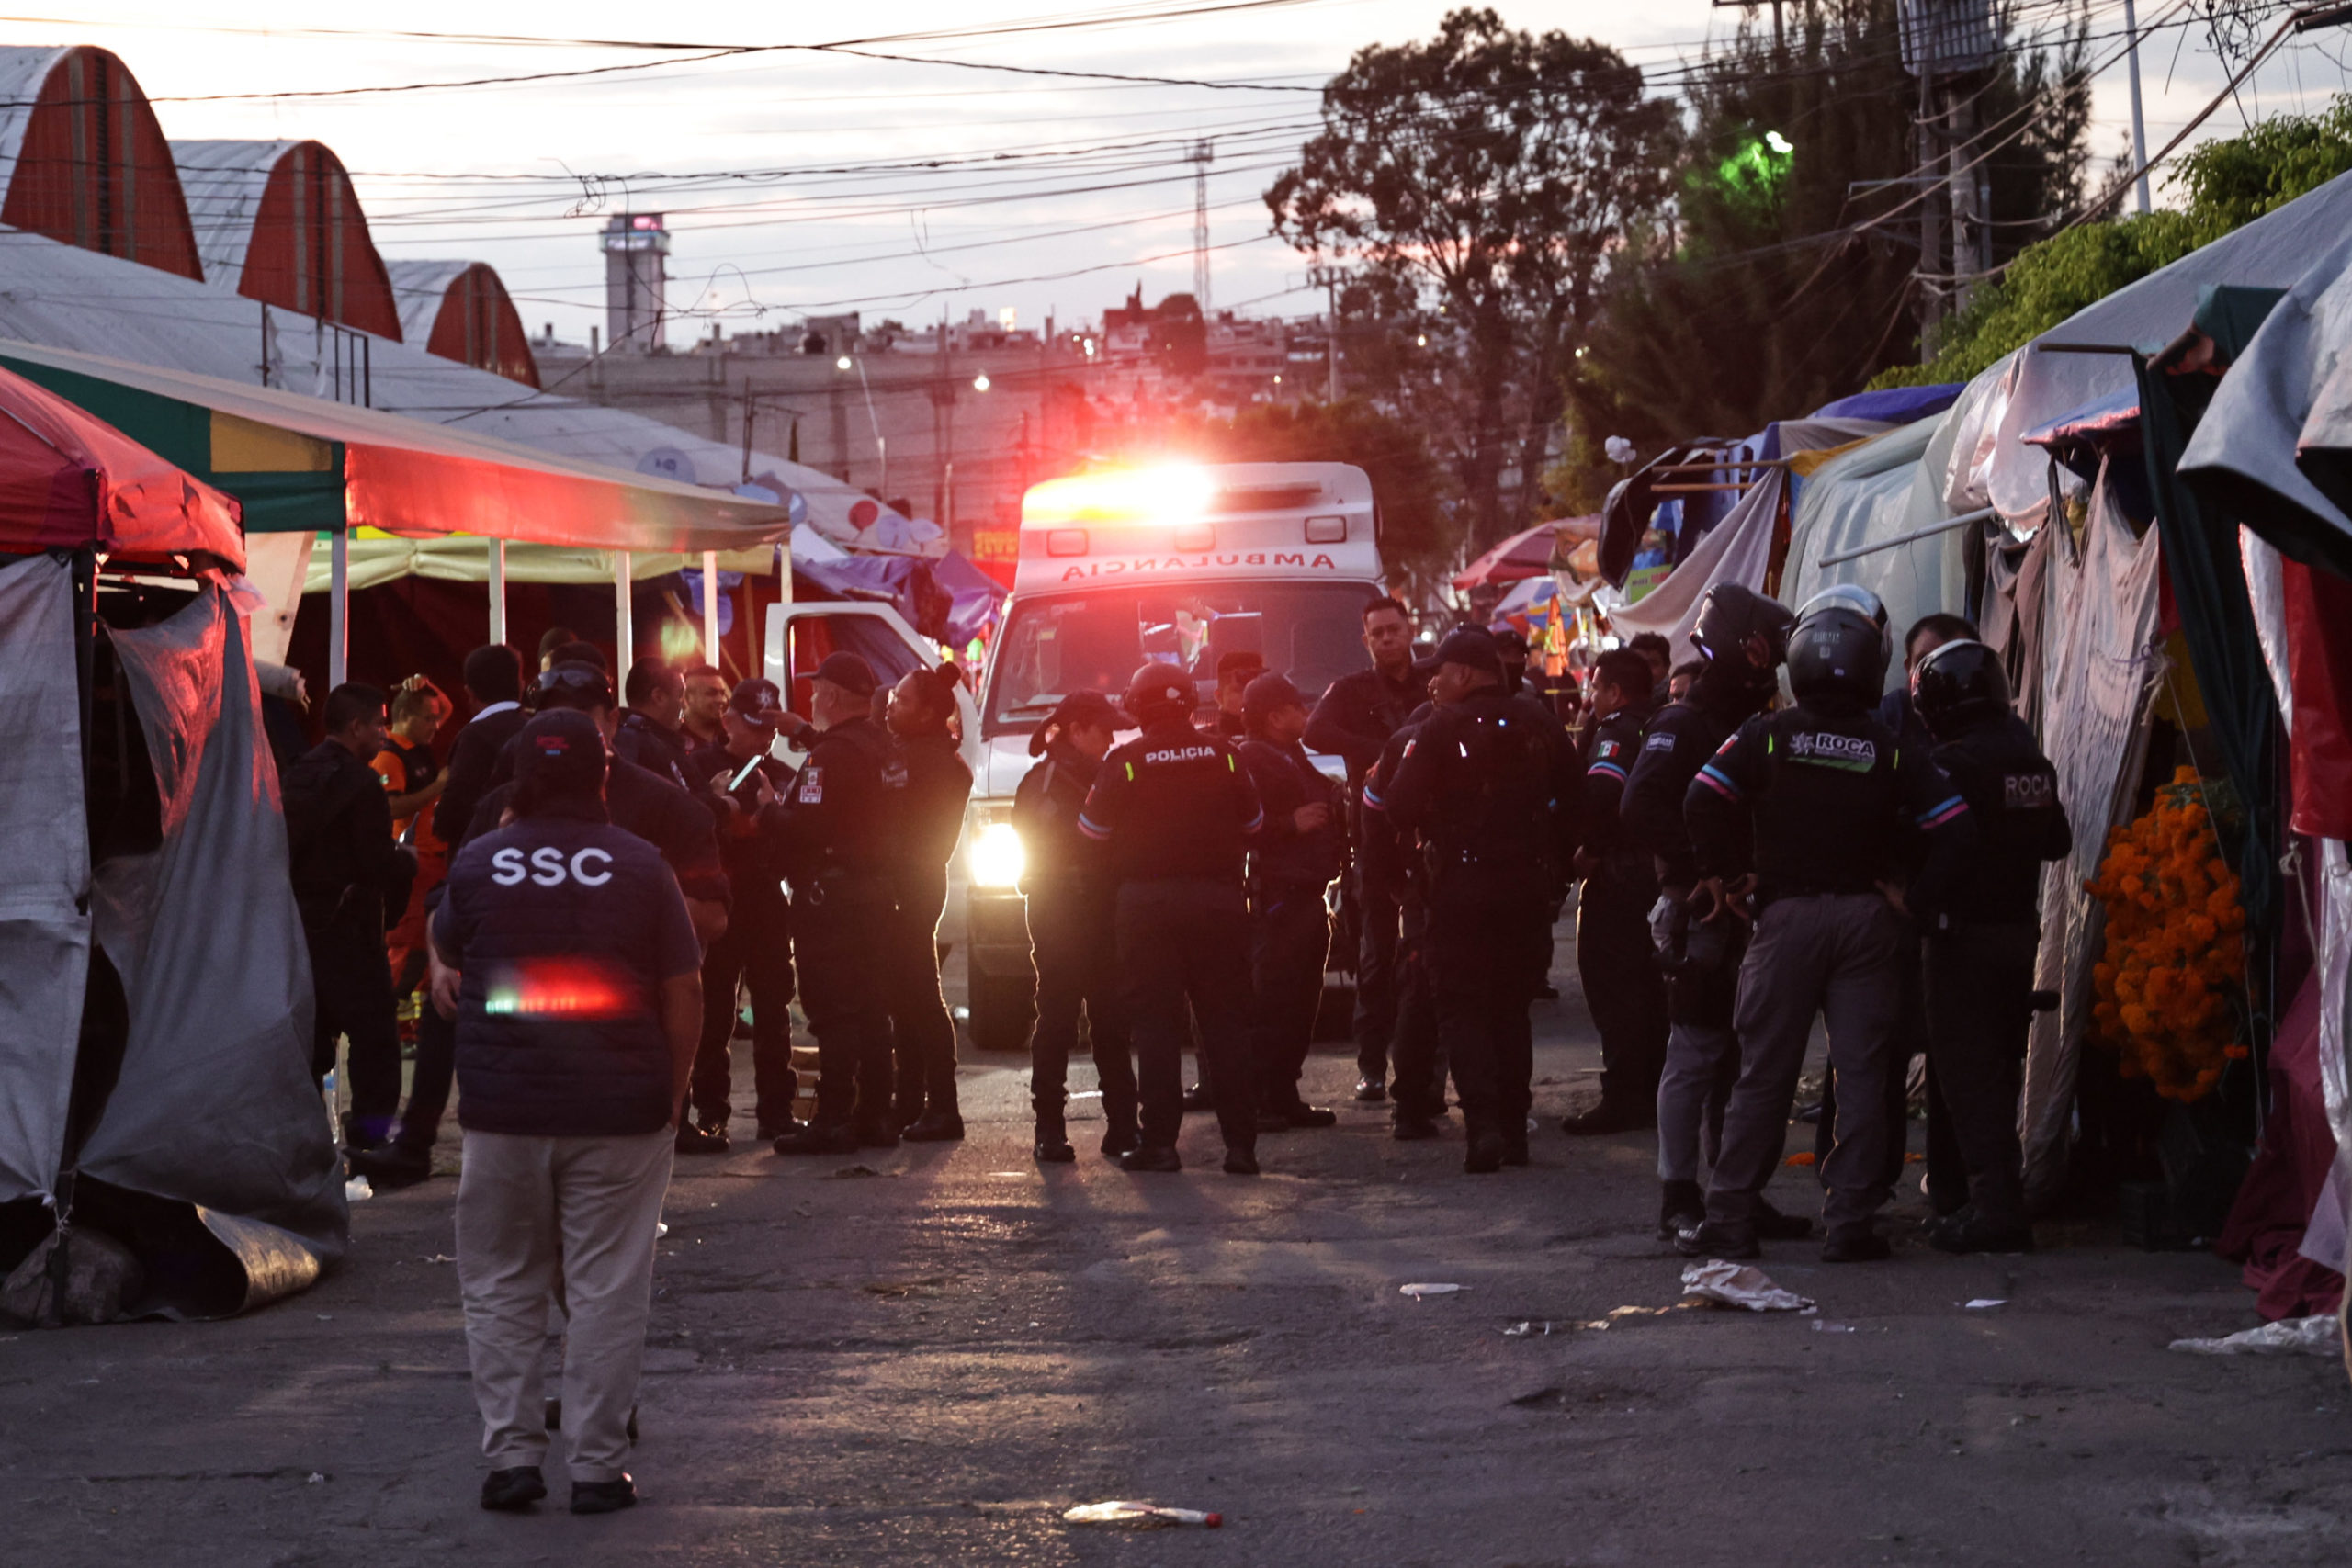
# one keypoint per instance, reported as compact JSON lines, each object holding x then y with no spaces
{"x":843,"y":362}
{"x":980,"y":382}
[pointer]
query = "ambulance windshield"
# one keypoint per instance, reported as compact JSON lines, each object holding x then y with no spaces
{"x":1053,"y":645}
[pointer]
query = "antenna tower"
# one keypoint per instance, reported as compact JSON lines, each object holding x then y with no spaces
{"x":1203,"y":151}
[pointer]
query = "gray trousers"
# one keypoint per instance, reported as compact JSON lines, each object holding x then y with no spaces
{"x":1838,"y":956}
{"x":574,"y":1219}
{"x":1695,"y":1054}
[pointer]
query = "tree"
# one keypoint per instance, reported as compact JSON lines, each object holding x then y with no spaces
{"x":1471,"y":189}
{"x":1785,"y":276}
{"x":1415,"y":542}
{"x":2225,"y":184}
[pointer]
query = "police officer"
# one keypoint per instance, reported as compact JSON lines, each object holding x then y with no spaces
{"x":1296,"y":857}
{"x":1353,"y":721}
{"x":1236,"y":668}
{"x":1622,"y":988}
{"x":1072,"y":904}
{"x":1741,"y":636}
{"x":1176,"y":809}
{"x":1487,"y":782}
{"x":1979,"y":950}
{"x":649,"y":735}
{"x":347,"y":872}
{"x":938,"y":785}
{"x":755,"y":953}
{"x":1821,"y":791}
{"x":1389,"y":861}
{"x":837,"y":825}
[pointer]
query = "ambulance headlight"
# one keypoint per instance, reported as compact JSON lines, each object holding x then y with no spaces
{"x":997,"y":856}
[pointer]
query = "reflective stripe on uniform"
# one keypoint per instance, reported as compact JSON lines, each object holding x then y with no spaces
{"x":1938,"y":815}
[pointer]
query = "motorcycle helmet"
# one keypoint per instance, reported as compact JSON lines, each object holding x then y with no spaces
{"x":1838,"y":650}
{"x":1959,"y":684}
{"x":1159,"y":687}
{"x":1731,"y":613}
{"x":1853,"y":596}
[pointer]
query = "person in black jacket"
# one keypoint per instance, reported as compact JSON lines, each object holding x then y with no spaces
{"x":938,"y":786}
{"x":1743,"y":637}
{"x":839,"y":825}
{"x":1292,"y":862}
{"x":1389,"y":857}
{"x":649,"y":735}
{"x":1806,"y":808}
{"x":1487,"y":781}
{"x":1353,"y":722}
{"x":346,"y":871}
{"x":1623,"y":989}
{"x":1176,"y":807}
{"x":1980,"y":950}
{"x":1072,"y":902}
{"x":564,"y":956}
{"x":493,"y":677}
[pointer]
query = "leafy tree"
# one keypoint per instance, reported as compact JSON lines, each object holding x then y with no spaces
{"x":1771,"y":292}
{"x":1471,"y":190}
{"x":2226,"y":184}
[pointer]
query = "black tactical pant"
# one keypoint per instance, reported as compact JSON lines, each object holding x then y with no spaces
{"x":351,"y":981}
{"x":1701,"y":1067}
{"x":1622,"y":988}
{"x":1073,"y":944}
{"x":923,"y":1036}
{"x":1947,"y":1173}
{"x":1488,"y":936}
{"x":429,"y":1080}
{"x":1377,"y":977}
{"x":1290,"y":937}
{"x":1420,"y":1090}
{"x":756,"y":952}
{"x":1182,"y":939}
{"x":839,"y":931}
{"x":1980,"y":1009}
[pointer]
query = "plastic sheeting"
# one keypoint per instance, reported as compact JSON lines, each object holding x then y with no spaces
{"x":68,"y":479}
{"x":1738,"y":549}
{"x":1874,"y":495}
{"x":2101,"y":664}
{"x":44,"y":930}
{"x":376,"y":561}
{"x":215,"y":1105}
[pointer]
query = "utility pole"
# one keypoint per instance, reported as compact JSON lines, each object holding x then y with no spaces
{"x":2139,"y":123}
{"x":1203,"y":151}
{"x":1331,"y":338}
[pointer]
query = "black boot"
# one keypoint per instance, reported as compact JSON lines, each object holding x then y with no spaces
{"x":1486,"y":1152}
{"x":1052,"y":1142}
{"x":1681,"y":1207}
{"x":392,"y":1164}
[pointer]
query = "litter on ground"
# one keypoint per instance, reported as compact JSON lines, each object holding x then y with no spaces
{"x":1739,"y":1285}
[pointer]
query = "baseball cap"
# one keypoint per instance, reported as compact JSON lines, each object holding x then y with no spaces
{"x":1269,"y":693}
{"x":1472,"y":648}
{"x":848,"y":671}
{"x":757,"y":701}
{"x":562,"y":754}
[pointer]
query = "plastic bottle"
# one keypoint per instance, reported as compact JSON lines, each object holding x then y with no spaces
{"x":1139,"y":1515}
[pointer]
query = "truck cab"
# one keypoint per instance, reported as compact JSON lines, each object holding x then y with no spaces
{"x":1183,"y":563}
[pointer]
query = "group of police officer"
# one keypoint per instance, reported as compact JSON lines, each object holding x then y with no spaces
{"x":1747,"y":867}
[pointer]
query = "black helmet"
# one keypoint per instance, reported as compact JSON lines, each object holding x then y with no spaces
{"x":1837,"y":647}
{"x":1156,"y":686}
{"x":1959,"y":684}
{"x":1731,"y":613}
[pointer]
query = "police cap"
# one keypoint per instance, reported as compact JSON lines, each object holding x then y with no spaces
{"x":851,"y":672}
{"x":756,"y":701}
{"x":1472,"y":647}
{"x":561,"y":755}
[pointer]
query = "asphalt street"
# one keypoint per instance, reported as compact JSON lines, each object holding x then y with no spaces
{"x":925,"y":1355}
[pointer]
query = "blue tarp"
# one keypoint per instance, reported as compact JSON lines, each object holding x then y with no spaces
{"x":948,"y":601}
{"x":1895,"y":405}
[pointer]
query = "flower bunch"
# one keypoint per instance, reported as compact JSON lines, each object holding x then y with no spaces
{"x":2174,"y":966}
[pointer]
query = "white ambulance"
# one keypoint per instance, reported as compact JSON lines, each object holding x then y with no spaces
{"x":1183,"y":563}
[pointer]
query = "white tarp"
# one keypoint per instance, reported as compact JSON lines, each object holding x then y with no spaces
{"x":1737,"y":549}
{"x":44,"y":875}
{"x":1875,"y":494}
{"x":2099,"y":672}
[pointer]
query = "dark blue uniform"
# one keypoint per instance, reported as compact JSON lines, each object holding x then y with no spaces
{"x":1175,"y":808}
{"x":1290,"y":927}
{"x":938,"y":785}
{"x":1621,"y":986}
{"x":1389,"y":857}
{"x":1072,"y":904}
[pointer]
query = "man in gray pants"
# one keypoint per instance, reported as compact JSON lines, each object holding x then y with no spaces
{"x":564,"y":951}
{"x":1821,"y":791}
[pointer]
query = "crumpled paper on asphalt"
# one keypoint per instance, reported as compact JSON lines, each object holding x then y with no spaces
{"x":1739,"y":1285}
{"x":2289,"y":1337}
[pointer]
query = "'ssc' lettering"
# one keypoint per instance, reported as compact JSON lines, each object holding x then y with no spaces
{"x":549,"y":868}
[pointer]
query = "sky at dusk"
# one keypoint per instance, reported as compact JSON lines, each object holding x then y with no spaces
{"x":797,"y":181}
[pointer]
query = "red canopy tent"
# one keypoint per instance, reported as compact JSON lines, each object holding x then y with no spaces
{"x":68,"y":479}
{"x":1524,"y":555}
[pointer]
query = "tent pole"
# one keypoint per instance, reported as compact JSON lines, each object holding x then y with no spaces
{"x":710,"y":607}
{"x":339,"y":609}
{"x":498,"y":590}
{"x":624,"y":620}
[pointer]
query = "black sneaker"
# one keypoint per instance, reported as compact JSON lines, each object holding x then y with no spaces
{"x":391,"y":1165}
{"x":790,"y":1127}
{"x":1161,"y":1158}
{"x":1052,"y":1148}
{"x":1273,"y":1122}
{"x":1302,"y":1114}
{"x":1968,"y":1231}
{"x":1371,"y":1091}
{"x":1601,"y":1120}
{"x":818,"y":1138}
{"x":1485,"y":1154}
{"x":935,"y":1127}
{"x":513,"y":1490}
{"x":1514,"y":1148}
{"x":1240,"y":1162}
{"x":875,"y":1135}
{"x":1413,"y":1129}
{"x":1199,"y":1097}
{"x":710,"y":1140}
{"x":1118,"y":1141}
{"x":1771,"y":1225}
{"x":602,"y":1496}
{"x":1713,"y":1238}
{"x":1856,"y":1244}
{"x":1681,"y":1207}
